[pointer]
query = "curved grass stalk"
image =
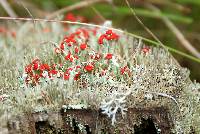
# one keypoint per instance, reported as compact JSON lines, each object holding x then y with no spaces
{"x":173,"y":50}
{"x":118,"y":30}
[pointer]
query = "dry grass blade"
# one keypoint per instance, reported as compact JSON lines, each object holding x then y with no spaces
{"x":98,"y":13}
{"x":146,"y":28}
{"x":8,"y":9}
{"x":114,"y":29}
{"x":72,"y":7}
{"x":60,"y":21}
{"x":171,"y":4}
{"x":184,"y":42}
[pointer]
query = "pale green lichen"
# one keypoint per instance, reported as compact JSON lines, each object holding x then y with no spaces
{"x":157,"y":80}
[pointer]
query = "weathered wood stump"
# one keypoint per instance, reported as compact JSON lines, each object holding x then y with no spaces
{"x":88,"y":121}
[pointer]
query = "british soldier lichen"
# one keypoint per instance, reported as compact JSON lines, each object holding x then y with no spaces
{"x":98,"y":68}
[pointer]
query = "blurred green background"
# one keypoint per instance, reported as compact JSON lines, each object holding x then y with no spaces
{"x":185,"y":14}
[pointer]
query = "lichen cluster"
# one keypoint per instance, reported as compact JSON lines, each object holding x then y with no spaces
{"x":115,"y":72}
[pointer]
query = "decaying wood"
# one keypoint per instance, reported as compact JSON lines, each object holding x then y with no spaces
{"x":89,"y":121}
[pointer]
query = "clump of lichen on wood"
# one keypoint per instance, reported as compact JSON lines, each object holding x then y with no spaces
{"x":93,"y":68}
